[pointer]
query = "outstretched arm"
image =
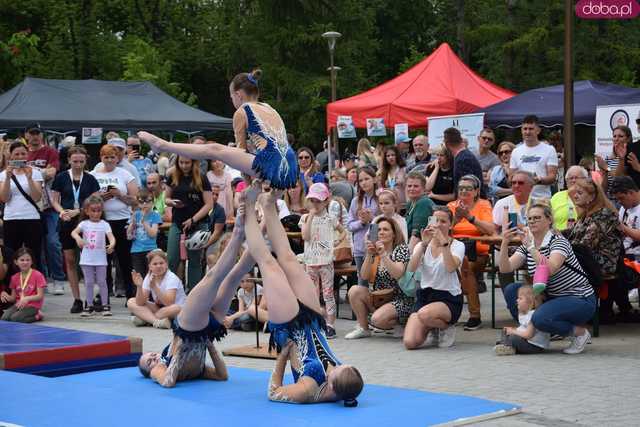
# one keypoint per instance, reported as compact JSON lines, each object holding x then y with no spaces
{"x":300,"y":392}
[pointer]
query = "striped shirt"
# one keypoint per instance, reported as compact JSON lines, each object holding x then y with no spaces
{"x":612,"y":164}
{"x":565,"y":281}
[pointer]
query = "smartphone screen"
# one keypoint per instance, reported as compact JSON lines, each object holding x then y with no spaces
{"x":373,"y":233}
{"x":513,"y":219}
{"x":433,"y":221}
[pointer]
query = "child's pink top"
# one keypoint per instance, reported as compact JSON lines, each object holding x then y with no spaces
{"x":36,"y":281}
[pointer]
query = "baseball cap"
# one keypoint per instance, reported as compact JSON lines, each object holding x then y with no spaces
{"x":118,"y":142}
{"x":403,"y":139}
{"x":34,"y":127}
{"x":318,"y":191}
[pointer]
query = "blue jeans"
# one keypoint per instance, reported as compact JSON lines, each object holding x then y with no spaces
{"x":557,"y":315}
{"x":52,"y":248}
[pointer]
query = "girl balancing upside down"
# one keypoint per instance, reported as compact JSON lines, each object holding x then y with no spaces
{"x":296,"y":323}
{"x":265,"y":154}
{"x":200,"y":321}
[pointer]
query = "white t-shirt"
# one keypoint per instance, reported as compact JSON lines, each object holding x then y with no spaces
{"x":115,"y":209}
{"x":434,"y":273}
{"x":247,"y":297}
{"x":95,"y":236}
{"x":514,"y":207}
{"x":169,"y":281}
{"x":631,"y":218}
{"x":540,"y":339}
{"x":319,"y":249}
{"x":535,"y":160}
{"x":18,"y":207}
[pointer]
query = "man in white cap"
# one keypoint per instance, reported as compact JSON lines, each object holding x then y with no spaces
{"x":123,"y":163}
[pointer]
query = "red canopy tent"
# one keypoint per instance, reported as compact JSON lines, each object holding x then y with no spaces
{"x":439,"y":85}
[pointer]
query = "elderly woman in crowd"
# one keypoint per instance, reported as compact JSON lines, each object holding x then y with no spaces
{"x":569,"y":298}
{"x":439,"y":300}
{"x":440,"y":177}
{"x":598,"y":228}
{"x":309,"y":173}
{"x":385,"y":262}
{"x":563,"y":208}
{"x":69,"y":190}
{"x":20,"y":190}
{"x":499,"y":175}
{"x":392,"y":174}
{"x":189,"y":194}
{"x":118,"y":189}
{"x":473,"y":217}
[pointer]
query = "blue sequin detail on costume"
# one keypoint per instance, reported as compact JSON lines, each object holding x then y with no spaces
{"x":307,"y":331}
{"x":277,"y":161}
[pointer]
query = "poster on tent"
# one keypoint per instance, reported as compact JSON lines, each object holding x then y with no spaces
{"x":375,"y":127}
{"x":345,"y":127}
{"x":91,"y":135}
{"x":401,"y":132}
{"x":469,"y":125}
{"x":608,"y":117}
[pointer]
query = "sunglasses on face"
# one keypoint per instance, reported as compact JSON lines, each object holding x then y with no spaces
{"x":502,"y":153}
{"x":466,"y":188}
{"x":536,"y":218}
{"x":303,"y":157}
{"x":145,"y":200}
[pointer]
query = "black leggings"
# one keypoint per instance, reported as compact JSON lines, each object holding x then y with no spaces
{"x":27,"y":232}
{"x":123,"y":253}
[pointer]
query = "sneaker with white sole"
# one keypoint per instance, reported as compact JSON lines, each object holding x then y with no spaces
{"x":88,"y":310}
{"x":58,"y":287}
{"x":578,"y":343}
{"x":358,"y":333}
{"x":106,"y":311}
{"x":138,"y":321}
{"x":447,"y":337}
{"x":504,"y":350}
{"x":162,"y":323}
{"x":433,"y":337}
{"x":381,"y":331}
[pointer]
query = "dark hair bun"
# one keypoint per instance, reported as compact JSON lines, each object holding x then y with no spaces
{"x":256,"y":74}
{"x":350,"y":403}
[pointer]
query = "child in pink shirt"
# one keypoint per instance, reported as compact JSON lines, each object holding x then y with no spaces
{"x":27,"y":291}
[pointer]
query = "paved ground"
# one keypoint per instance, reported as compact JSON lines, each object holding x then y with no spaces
{"x":598,"y":387}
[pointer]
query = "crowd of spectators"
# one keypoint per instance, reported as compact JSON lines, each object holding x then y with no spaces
{"x":408,"y":213}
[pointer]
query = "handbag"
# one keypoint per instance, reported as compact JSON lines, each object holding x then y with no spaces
{"x":410,"y":282}
{"x":342,"y":252}
{"x":26,"y":195}
{"x":381,"y":297}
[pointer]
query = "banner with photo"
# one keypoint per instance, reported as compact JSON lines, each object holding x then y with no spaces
{"x":469,"y":125}
{"x":91,"y":135}
{"x":345,"y":127}
{"x":401,"y":132}
{"x":375,"y":127}
{"x":609,"y":117}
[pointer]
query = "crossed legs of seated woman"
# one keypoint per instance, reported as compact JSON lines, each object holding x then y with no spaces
{"x":296,"y":322}
{"x":200,"y":321}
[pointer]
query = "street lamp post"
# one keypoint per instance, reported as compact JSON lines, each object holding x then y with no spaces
{"x":332,"y":140}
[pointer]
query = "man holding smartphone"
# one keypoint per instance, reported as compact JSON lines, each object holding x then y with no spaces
{"x":47,"y":161}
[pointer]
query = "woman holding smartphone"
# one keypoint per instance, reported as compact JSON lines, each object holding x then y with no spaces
{"x":386,"y":259}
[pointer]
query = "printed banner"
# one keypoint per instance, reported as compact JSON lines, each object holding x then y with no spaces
{"x":401,"y":131}
{"x":610,"y":116}
{"x":345,"y":127}
{"x":375,"y":127}
{"x":469,"y":125}
{"x":91,"y":135}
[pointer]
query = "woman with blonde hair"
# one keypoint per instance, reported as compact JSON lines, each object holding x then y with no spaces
{"x":366,"y":154}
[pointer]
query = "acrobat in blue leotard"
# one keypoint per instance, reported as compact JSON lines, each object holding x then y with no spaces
{"x":307,"y":331}
{"x":276,"y":161}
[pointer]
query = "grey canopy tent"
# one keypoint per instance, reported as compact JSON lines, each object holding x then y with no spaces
{"x":114,"y":105}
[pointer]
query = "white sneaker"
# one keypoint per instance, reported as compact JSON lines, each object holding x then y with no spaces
{"x":447,"y":337}
{"x":138,"y":321}
{"x":633,"y":295}
{"x":58,"y":287}
{"x":433,"y":337}
{"x":578,"y":343}
{"x":358,"y":333}
{"x":162,"y":323}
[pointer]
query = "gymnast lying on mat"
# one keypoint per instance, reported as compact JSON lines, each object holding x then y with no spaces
{"x":200,"y":321}
{"x":295,"y":316}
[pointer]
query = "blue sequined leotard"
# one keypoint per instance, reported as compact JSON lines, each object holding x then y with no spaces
{"x":276,"y":161}
{"x":307,"y":331}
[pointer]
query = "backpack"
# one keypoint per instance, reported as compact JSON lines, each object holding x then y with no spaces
{"x":590,"y":267}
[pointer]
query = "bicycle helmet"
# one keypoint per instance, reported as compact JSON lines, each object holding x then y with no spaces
{"x":197,"y":240}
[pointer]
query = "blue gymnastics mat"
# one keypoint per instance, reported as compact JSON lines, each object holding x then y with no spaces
{"x":122,"y":397}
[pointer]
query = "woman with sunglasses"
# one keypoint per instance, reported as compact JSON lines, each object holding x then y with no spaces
{"x":263,"y":149}
{"x":309,"y":173}
{"x":569,"y":298}
{"x":499,"y":175}
{"x":473,"y":217}
{"x":69,"y":190}
{"x":598,"y":228}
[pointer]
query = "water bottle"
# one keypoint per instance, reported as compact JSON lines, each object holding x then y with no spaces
{"x":571,"y":218}
{"x":183,"y":247}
